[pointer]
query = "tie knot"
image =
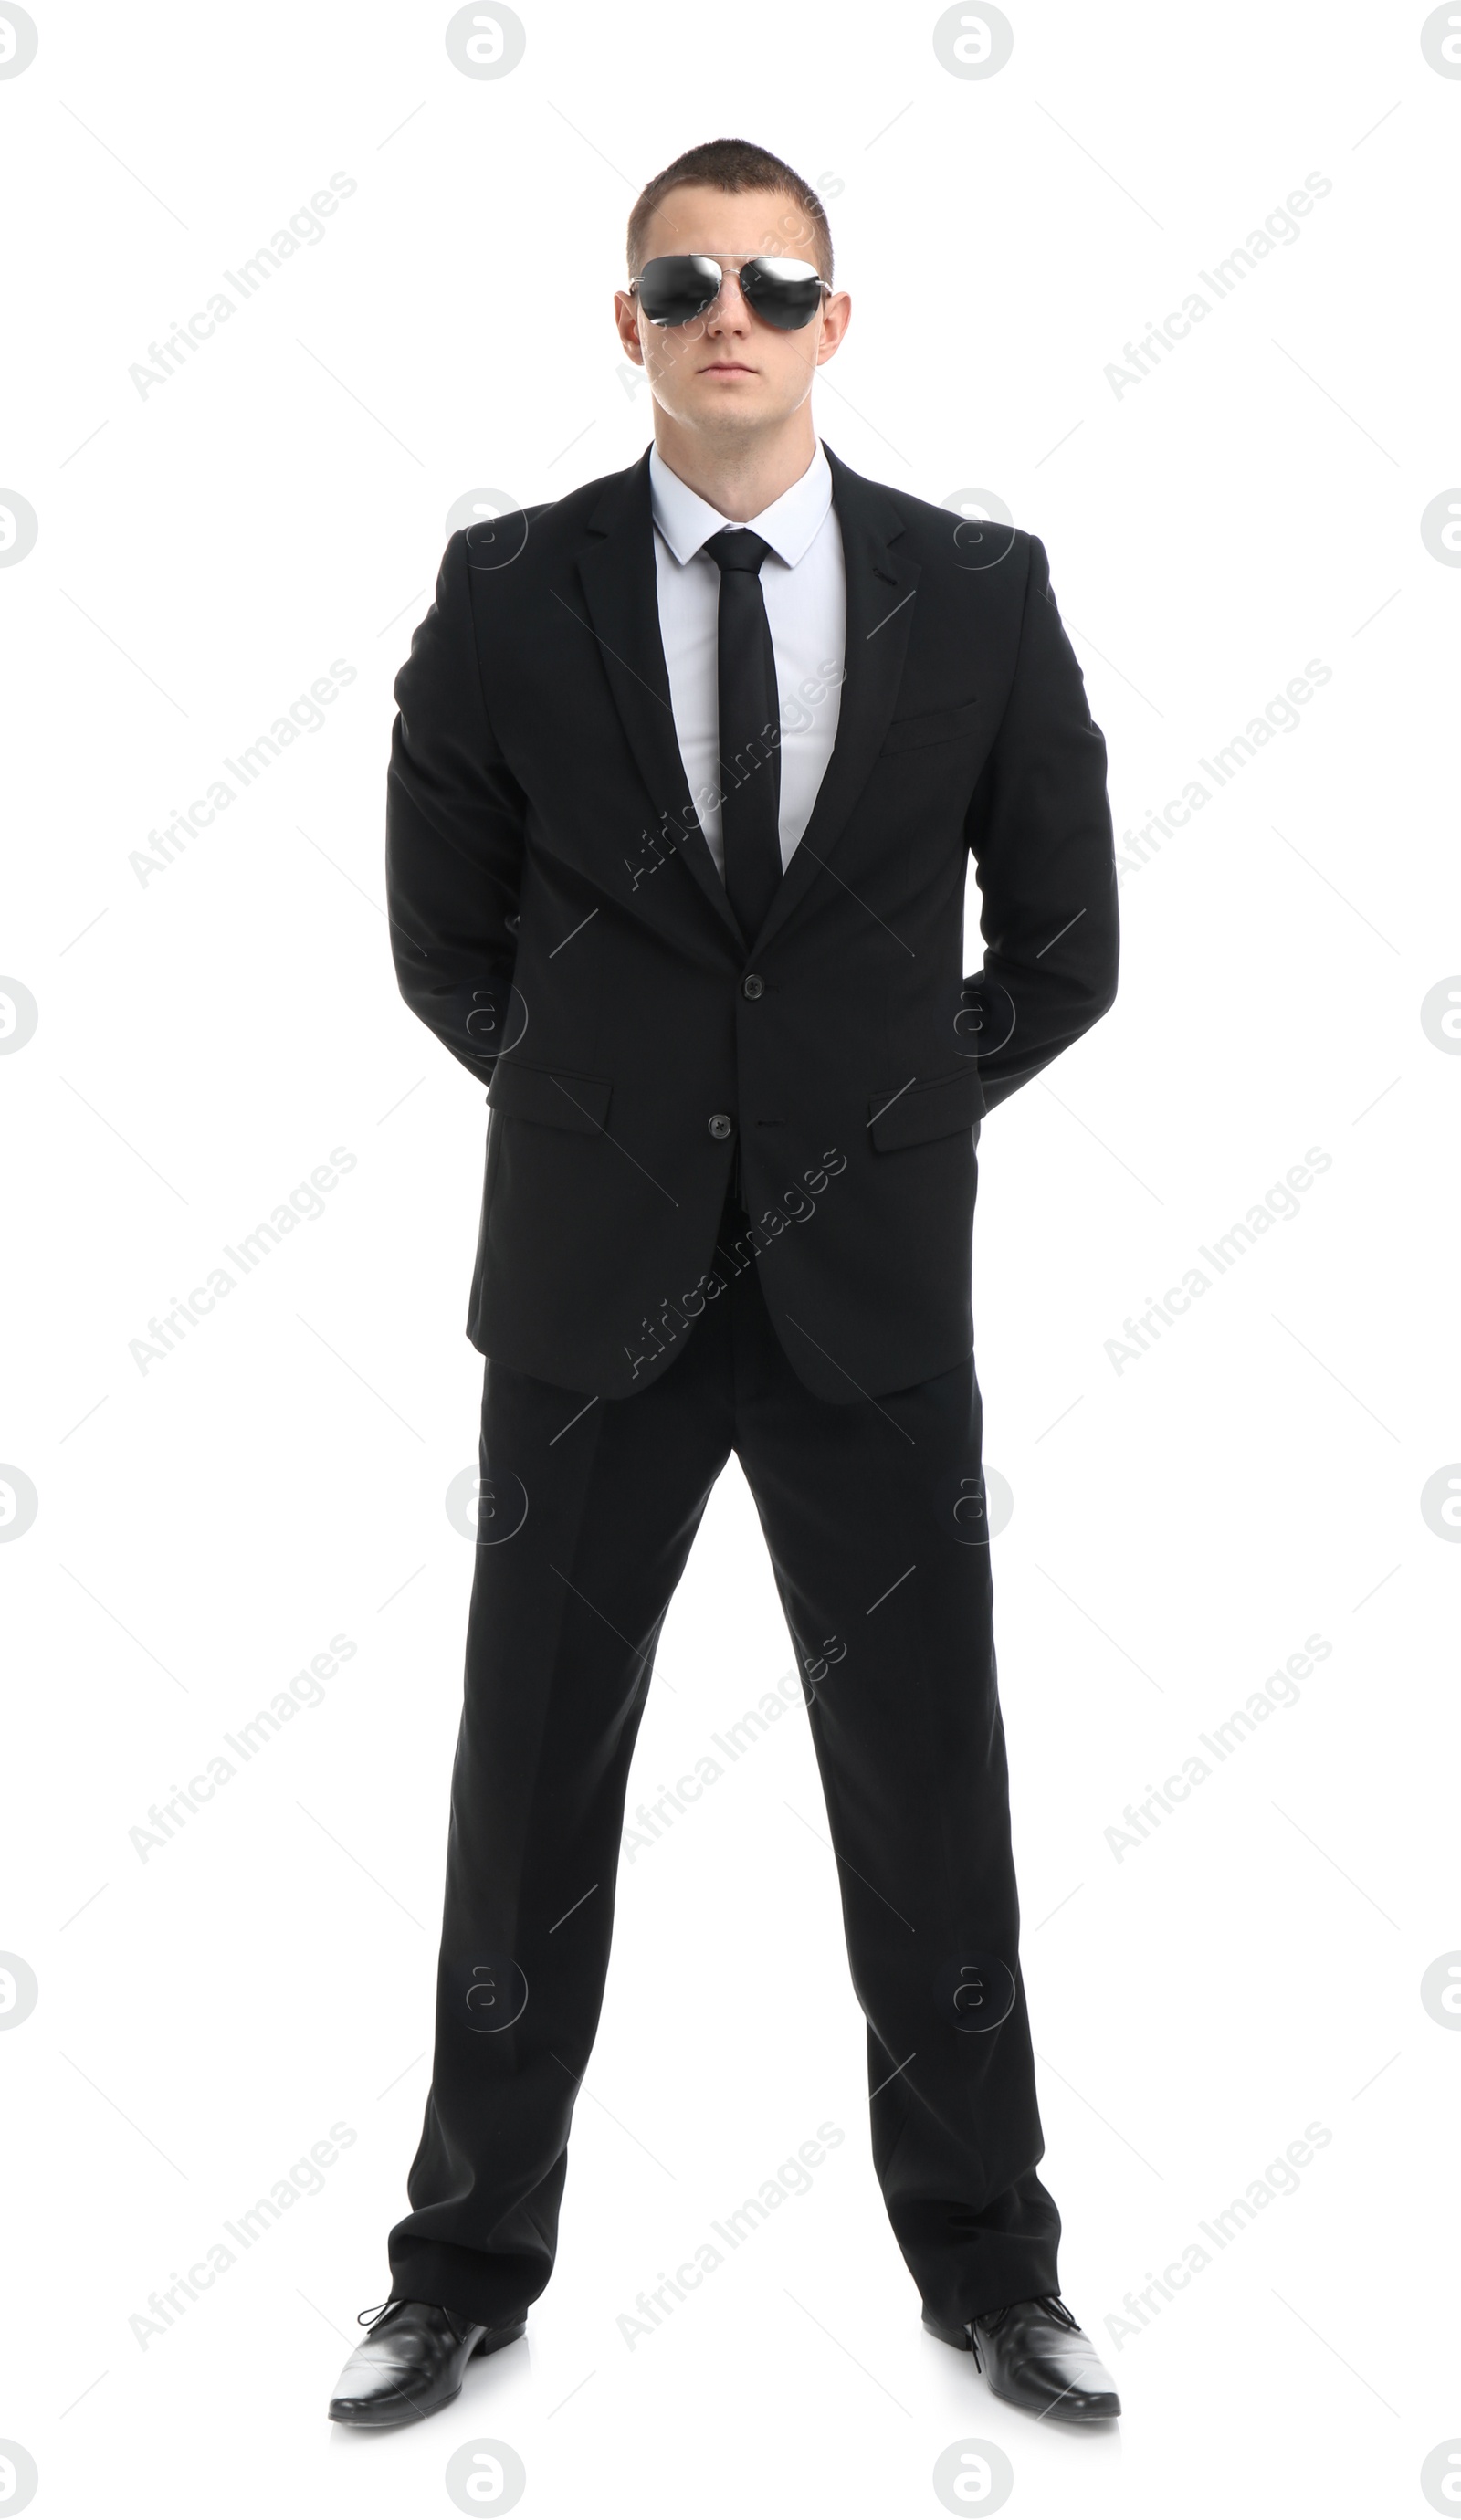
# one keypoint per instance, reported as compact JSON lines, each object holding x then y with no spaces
{"x":737,"y":547}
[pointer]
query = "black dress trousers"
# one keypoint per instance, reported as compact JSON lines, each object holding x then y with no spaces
{"x":873,"y":1518}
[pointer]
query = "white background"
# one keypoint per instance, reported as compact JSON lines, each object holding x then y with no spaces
{"x":1179,"y":1526}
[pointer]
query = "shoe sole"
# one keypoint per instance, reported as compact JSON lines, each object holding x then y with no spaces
{"x":1056,"y":2412}
{"x":387,"y":2414}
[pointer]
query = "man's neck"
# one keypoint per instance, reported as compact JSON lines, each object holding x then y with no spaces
{"x":741,"y":479}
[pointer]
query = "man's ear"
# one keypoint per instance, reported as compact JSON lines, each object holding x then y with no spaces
{"x":628,"y":337}
{"x":833,"y":334}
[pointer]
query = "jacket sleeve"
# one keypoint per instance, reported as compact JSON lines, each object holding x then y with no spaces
{"x":455,"y":817}
{"x":1039,"y":828}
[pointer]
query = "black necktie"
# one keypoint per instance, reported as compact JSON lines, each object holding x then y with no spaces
{"x":749,"y":728}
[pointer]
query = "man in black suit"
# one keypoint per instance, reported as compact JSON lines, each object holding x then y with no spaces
{"x":687,"y":772}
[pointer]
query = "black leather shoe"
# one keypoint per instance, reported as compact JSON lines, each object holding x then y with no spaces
{"x":1033,"y":2354}
{"x":412,"y":2363}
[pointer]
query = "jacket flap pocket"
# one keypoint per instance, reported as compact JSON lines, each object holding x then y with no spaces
{"x":559,"y":1098}
{"x":934,"y":726}
{"x":926,"y":1111}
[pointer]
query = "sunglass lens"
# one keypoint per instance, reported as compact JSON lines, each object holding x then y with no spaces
{"x":784,"y":294}
{"x":674,"y":288}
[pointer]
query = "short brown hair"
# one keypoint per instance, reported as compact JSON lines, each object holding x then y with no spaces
{"x":730,"y":166}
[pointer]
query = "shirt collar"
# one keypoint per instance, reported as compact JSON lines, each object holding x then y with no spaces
{"x":788,"y":524}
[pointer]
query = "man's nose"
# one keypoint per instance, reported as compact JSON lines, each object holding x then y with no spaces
{"x":728,"y":304}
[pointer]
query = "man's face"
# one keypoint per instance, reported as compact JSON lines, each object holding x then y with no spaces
{"x":726,"y":372}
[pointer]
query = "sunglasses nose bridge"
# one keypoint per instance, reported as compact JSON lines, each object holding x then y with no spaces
{"x":728,"y":296}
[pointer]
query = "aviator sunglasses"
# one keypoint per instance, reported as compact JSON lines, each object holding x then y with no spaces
{"x":675,"y":287}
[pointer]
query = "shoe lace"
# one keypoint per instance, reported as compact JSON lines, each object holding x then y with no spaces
{"x":372,"y":2318}
{"x":1046,"y":2301}
{"x":1050,"y":2302}
{"x":993,"y":2320}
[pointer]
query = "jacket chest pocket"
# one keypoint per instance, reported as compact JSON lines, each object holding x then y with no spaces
{"x":933,"y":725}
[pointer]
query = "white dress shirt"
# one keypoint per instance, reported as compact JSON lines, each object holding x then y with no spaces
{"x":803,"y":579}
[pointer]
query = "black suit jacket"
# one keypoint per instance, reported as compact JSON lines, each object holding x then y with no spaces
{"x":557,"y":920}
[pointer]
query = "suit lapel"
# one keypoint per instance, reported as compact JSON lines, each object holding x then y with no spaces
{"x":881,"y":583}
{"x":617,"y":573}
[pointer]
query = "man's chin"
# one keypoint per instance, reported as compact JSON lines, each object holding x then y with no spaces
{"x":731,"y":413}
{"x":729,"y":393}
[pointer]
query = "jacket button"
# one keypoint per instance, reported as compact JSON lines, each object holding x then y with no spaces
{"x":753,"y":986}
{"x":720,"y":1124}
